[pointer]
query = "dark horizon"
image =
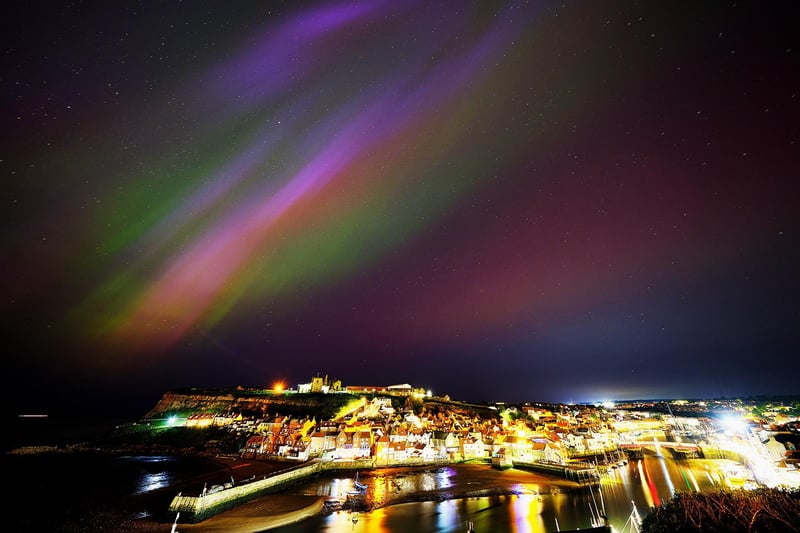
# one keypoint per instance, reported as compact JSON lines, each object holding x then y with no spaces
{"x":97,"y":405}
{"x":500,"y":202}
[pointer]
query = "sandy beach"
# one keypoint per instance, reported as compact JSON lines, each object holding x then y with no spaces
{"x":261,"y":514}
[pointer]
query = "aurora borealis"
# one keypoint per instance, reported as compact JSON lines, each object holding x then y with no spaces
{"x":496,"y":200}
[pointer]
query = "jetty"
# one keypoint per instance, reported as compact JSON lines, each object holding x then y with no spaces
{"x":581,"y":474}
{"x":193,"y":509}
{"x":221,"y":498}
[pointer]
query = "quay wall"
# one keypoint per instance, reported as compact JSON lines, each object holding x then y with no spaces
{"x":197,"y":508}
{"x":372,"y":464}
{"x":716,"y":452}
{"x":194,"y":509}
{"x":578,"y":474}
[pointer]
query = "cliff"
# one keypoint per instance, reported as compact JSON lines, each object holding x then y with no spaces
{"x":259,"y":402}
{"x":183,"y":402}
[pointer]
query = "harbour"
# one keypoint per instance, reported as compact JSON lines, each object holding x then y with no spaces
{"x":440,"y":498}
{"x":500,"y":502}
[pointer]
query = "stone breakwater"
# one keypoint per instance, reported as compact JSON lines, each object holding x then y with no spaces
{"x":197,"y":508}
{"x":261,"y":514}
{"x":471,"y":481}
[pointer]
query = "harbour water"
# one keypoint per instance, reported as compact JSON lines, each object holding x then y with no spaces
{"x":533,"y":508}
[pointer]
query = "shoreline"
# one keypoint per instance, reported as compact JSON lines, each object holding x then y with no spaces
{"x":289,"y":505}
{"x":280,"y":509}
{"x":300,"y":501}
{"x":262,"y":514}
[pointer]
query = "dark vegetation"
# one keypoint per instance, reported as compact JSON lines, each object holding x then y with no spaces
{"x":438,"y":405}
{"x":251,"y":403}
{"x":190,"y":440}
{"x":758,"y":511}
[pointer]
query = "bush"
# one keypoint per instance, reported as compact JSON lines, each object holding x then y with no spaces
{"x":757,"y":511}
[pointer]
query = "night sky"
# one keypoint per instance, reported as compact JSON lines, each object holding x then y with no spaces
{"x":501,"y":201}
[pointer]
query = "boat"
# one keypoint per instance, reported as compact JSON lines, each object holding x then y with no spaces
{"x":634,"y":522}
{"x":599,"y":521}
{"x":738,"y":477}
{"x":594,"y":528}
{"x":358,"y":485}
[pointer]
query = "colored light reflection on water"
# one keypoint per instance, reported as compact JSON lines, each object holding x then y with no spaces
{"x":525,"y":513}
{"x":650,"y":485}
{"x":532,"y":508}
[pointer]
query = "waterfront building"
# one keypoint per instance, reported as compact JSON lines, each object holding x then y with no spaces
{"x":471,"y":448}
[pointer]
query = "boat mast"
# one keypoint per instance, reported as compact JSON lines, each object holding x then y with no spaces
{"x":636,"y":520}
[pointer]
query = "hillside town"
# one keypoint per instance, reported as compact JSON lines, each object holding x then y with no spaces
{"x":400,"y":425}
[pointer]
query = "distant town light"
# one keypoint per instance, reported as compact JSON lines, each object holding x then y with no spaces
{"x":278,"y":387}
{"x":733,"y":423}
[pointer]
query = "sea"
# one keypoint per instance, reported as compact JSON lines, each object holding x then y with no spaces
{"x":52,"y":489}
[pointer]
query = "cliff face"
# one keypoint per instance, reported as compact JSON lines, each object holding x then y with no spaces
{"x":210,"y":401}
{"x":257,"y":402}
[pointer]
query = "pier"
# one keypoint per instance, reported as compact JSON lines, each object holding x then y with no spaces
{"x":581,"y":474}
{"x":194,"y":509}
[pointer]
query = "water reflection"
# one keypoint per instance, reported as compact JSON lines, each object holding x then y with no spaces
{"x":533,"y":508}
{"x":667,"y":477}
{"x":525,"y":513}
{"x":151,"y":482}
{"x":651,"y":493}
{"x":153,"y":472}
{"x":448,"y":513}
{"x":439,"y":479}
